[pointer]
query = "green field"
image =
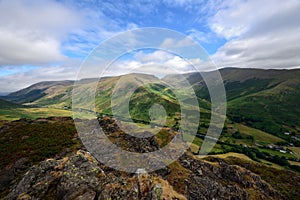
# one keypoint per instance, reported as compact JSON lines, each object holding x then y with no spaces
{"x":296,"y":151}
{"x":260,"y":137}
{"x":31,"y":113}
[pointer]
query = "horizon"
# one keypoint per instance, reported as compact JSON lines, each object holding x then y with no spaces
{"x":89,"y":78}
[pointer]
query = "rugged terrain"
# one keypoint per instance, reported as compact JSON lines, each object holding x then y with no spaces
{"x":71,"y":172}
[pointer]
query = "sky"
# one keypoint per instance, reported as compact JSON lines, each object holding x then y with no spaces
{"x":42,"y":40}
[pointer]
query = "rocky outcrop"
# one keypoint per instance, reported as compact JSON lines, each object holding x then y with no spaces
{"x":223,"y":181}
{"x":80,"y":176}
{"x":8,"y":175}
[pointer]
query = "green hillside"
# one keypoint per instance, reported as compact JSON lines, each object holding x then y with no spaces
{"x":37,"y":91}
{"x":264,"y":99}
{"x":8,"y":105}
{"x":13,"y":111}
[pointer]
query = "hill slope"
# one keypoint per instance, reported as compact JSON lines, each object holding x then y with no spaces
{"x":263,"y":99}
{"x":9,"y":105}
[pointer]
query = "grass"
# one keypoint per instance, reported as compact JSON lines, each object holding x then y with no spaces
{"x":163,"y":137}
{"x":296,"y":151}
{"x":260,"y":137}
{"x":294,"y":163}
{"x":190,"y":138}
{"x":270,"y":110}
{"x":36,"y":141}
{"x":268,"y":163}
{"x":31,"y":113}
{"x":274,"y":152}
{"x":194,"y":148}
{"x":230,"y":154}
{"x":246,"y":158}
{"x":178,"y":175}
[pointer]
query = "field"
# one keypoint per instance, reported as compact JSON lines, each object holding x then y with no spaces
{"x":231,"y":154}
{"x":31,"y":113}
{"x":260,"y":137}
{"x":296,"y":151}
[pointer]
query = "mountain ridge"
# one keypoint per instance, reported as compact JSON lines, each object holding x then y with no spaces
{"x":270,"y":94}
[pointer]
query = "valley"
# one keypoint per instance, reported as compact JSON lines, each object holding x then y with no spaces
{"x":261,"y":130}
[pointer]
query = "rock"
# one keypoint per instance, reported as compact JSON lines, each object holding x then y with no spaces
{"x":24,"y":196}
{"x":200,"y":172}
{"x":4,"y":128}
{"x":157,"y":192}
{"x":21,"y":165}
{"x":221,"y":182}
{"x":82,"y":193}
{"x":163,"y":172}
{"x":60,"y":176}
{"x":6,"y":177}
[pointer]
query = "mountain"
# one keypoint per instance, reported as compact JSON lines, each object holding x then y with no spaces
{"x":9,"y":105}
{"x":263,"y":99}
{"x":37,"y":91}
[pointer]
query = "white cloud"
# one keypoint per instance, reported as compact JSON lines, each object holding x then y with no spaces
{"x":163,"y":58}
{"x":198,"y":36}
{"x":31,"y":31}
{"x":156,"y":56}
{"x":237,"y":17}
{"x":261,"y":34}
{"x":18,"y":48}
{"x":156,"y":63}
{"x":17,"y":81}
{"x":170,"y":43}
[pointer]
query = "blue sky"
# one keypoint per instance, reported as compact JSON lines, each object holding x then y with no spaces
{"x":48,"y":40}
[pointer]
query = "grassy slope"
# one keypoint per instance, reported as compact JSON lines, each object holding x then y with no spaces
{"x":264,"y":99}
{"x":36,"y":91}
{"x":12,"y":111}
{"x":36,"y":141}
{"x":31,"y":113}
{"x":273,"y":104}
{"x":260,"y":137}
{"x":7,"y":105}
{"x":270,"y":110}
{"x":296,"y":151}
{"x":231,"y":154}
